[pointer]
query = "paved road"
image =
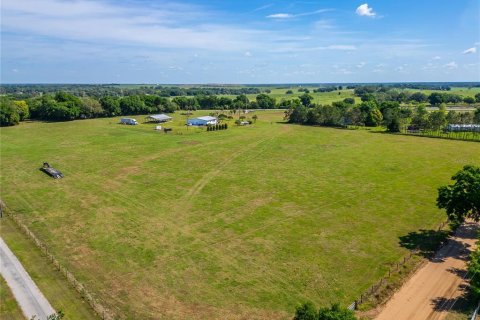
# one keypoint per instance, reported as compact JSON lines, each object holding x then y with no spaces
{"x":432,"y":291}
{"x":29,"y":298}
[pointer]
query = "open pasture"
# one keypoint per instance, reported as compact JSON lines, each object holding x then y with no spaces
{"x":318,"y":97}
{"x":245,"y":222}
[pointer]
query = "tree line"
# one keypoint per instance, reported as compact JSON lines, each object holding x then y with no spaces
{"x":21,"y":91}
{"x":380,"y":107}
{"x":372,"y":112}
{"x":63,"y":106}
{"x":434,"y":98}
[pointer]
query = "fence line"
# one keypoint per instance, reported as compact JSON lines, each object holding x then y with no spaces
{"x":392,"y":270}
{"x":451,"y":135}
{"x":103,"y":312}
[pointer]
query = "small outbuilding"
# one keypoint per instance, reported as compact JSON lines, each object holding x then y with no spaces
{"x":202,"y":121}
{"x":158,"y":118}
{"x":463,"y":128}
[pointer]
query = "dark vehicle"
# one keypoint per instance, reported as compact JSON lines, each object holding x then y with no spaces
{"x":54,"y":173}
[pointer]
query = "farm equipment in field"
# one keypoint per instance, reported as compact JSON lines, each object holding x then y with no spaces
{"x":54,"y":173}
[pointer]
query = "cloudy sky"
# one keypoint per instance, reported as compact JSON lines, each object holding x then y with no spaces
{"x":221,"y":41}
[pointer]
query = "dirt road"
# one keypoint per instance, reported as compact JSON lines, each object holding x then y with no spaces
{"x":434,"y":288}
{"x":29,"y":298}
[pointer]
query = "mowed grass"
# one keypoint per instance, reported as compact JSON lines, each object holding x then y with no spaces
{"x":242,"y":223}
{"x":9,"y":309}
{"x":52,"y":284}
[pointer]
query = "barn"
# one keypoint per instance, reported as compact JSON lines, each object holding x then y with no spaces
{"x":158,"y":118}
{"x":202,"y":121}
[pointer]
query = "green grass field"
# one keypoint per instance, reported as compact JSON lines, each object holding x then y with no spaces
{"x":318,"y":97}
{"x":329,"y":97}
{"x":9,"y":309}
{"x":242,"y":223}
{"x":52,"y":284}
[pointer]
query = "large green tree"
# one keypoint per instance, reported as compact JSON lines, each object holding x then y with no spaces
{"x":91,"y":108}
{"x":132,"y":105}
{"x":8,"y":112}
{"x":461,"y":200}
{"x":264,"y":101}
{"x":111,"y":106}
{"x":306,"y":99}
{"x":22,"y":109}
{"x":436,"y":98}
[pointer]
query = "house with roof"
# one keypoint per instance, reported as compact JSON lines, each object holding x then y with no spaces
{"x":158,"y":118}
{"x":202,"y":121}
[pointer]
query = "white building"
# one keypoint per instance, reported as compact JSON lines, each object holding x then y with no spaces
{"x":202,"y":121}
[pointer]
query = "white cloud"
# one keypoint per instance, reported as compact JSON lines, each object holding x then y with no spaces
{"x":280,"y":16}
{"x":470,"y":51}
{"x":14,"y":70}
{"x":290,"y":15}
{"x":263,"y":7}
{"x":313,"y":12}
{"x":361,"y":65}
{"x":365,"y":11}
{"x":341,"y":71}
{"x":340,"y":47}
{"x":247,"y":54}
{"x":169,"y":26}
{"x":436,"y":58}
{"x":451,"y":65}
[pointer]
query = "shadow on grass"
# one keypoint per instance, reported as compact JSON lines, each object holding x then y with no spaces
{"x":426,"y":242}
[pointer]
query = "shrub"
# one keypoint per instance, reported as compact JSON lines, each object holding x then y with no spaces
{"x":335,"y":312}
{"x":306,"y":312}
{"x":394,"y":125}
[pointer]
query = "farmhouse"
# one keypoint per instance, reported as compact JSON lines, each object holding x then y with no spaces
{"x":158,"y":118}
{"x":202,"y":121}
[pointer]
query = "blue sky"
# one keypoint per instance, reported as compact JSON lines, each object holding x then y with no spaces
{"x":147,"y":41}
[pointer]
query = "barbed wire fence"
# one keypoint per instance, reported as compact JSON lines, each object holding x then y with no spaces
{"x":99,"y":307}
{"x":394,"y":269}
{"x":106,"y":314}
{"x":442,"y":134}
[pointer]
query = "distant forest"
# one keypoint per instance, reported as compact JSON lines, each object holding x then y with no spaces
{"x":24,"y":91}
